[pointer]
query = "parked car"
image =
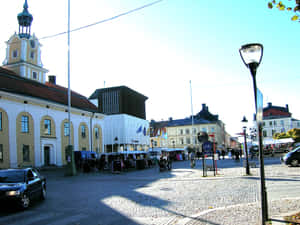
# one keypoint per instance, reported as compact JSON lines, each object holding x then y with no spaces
{"x":292,"y":158}
{"x":21,"y":186}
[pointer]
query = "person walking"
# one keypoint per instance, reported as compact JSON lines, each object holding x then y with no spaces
{"x":223,"y":153}
{"x":193,"y":160}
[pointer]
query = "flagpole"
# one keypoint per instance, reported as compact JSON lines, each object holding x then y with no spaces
{"x":192,"y":113}
{"x":71,"y":169}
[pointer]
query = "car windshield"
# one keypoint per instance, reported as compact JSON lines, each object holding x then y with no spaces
{"x":11,"y":176}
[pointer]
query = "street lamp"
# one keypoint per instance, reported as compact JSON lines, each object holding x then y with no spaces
{"x":245,"y":121}
{"x":251,"y":55}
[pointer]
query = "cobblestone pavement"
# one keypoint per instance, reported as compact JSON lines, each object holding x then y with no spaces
{"x":182,"y":196}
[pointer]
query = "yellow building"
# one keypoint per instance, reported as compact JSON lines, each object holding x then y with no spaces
{"x":182,"y":133}
{"x":34,"y":127}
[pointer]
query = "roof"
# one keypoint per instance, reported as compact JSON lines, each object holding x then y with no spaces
{"x":275,"y":112}
{"x":181,"y":122}
{"x":13,"y":83}
{"x":97,"y":92}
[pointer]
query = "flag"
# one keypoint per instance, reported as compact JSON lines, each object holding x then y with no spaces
{"x":144,"y":131}
{"x":139,"y":130}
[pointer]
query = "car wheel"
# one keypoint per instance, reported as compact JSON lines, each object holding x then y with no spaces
{"x":25,"y":201}
{"x":43,"y":192}
{"x":294,"y":162}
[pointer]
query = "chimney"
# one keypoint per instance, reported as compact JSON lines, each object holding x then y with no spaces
{"x":204,"y":106}
{"x":269,"y":104}
{"x":52,"y":79}
{"x":287,"y":107}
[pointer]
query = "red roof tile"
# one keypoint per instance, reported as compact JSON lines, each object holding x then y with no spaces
{"x":11,"y":82}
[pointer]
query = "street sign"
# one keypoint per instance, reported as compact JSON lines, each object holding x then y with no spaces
{"x":207,"y":147}
{"x":259,"y":102}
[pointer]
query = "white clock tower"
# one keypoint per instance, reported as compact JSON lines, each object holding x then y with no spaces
{"x":23,"y":52}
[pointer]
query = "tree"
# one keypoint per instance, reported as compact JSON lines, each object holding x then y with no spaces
{"x":288,"y":5}
{"x":293,"y":133}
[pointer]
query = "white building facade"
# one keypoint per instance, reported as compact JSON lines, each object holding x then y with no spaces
{"x":125,"y":133}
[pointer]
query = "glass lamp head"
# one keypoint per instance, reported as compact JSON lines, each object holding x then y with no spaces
{"x":251,"y":54}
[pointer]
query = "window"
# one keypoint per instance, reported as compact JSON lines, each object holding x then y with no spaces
{"x":181,"y":131}
{"x":0,"y":121}
{"x":47,"y":124}
{"x":187,"y":131}
{"x":274,"y":123}
{"x":273,"y":132}
{"x":15,"y":53}
{"x":181,"y":141}
{"x":25,"y":124}
{"x":32,"y":43}
{"x":264,"y":133}
{"x":97,"y":132}
{"x":194,"y":140}
{"x":66,"y":129}
{"x":32,"y":54}
{"x":83,"y":131}
{"x":26,"y":156}
{"x":188,"y":140}
{"x":97,"y":149}
{"x":34,"y":75}
{"x":212,"y":130}
{"x":194,"y":130}
{"x":264,"y":124}
{"x":270,"y":123}
{"x":1,"y":153}
{"x":83,"y":148}
{"x":282,"y":122}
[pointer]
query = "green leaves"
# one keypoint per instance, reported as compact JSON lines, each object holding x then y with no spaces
{"x":284,"y":7}
{"x":270,"y":5}
{"x":293,"y":133}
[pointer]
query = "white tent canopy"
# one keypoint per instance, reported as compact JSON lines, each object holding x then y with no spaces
{"x":276,"y":141}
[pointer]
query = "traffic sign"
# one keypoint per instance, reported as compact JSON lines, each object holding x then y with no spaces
{"x":207,"y":147}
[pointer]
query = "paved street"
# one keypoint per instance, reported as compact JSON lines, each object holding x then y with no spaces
{"x":151,"y":197}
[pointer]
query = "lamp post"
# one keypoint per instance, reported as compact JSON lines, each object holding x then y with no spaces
{"x":245,"y":121}
{"x":251,"y":55}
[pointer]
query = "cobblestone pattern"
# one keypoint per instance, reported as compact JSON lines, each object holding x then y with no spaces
{"x":181,"y":196}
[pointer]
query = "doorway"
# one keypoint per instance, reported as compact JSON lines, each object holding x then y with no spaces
{"x":47,"y":156}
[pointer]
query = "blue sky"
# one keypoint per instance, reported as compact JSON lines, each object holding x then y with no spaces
{"x":158,"y":50}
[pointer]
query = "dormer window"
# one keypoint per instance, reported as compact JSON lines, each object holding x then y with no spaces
{"x":15,"y":53}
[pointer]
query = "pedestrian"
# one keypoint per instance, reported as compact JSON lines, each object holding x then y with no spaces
{"x":223,"y":153}
{"x":232,"y":153}
{"x":193,"y":160}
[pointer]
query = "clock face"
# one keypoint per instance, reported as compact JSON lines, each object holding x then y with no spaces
{"x":32,"y":43}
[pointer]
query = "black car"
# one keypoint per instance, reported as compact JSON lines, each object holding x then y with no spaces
{"x":21,"y":186}
{"x":292,"y":158}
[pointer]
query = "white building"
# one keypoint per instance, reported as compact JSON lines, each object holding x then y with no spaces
{"x":125,"y":133}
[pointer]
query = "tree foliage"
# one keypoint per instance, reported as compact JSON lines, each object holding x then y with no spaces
{"x":293,"y":133}
{"x":287,"y":5}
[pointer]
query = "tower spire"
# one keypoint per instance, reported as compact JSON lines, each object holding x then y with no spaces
{"x":25,"y":20}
